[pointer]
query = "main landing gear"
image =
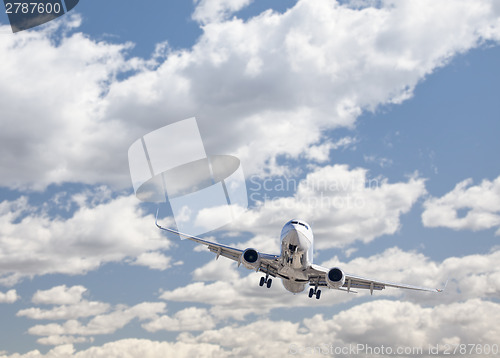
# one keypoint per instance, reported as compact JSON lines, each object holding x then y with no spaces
{"x":266,"y":280}
{"x":314,"y":291}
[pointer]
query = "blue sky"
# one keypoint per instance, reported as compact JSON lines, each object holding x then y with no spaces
{"x":313,"y":94}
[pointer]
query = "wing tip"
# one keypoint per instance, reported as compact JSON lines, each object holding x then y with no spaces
{"x":156,"y":218}
{"x":439,"y":290}
{"x":181,"y":235}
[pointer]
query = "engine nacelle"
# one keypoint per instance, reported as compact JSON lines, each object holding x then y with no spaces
{"x":335,"y":278}
{"x":250,"y":258}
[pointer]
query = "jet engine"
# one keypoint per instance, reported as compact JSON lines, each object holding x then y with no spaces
{"x":335,"y":278}
{"x":250,"y":258}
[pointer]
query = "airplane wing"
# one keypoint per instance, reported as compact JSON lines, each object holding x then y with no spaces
{"x":268,"y":263}
{"x":318,"y":274}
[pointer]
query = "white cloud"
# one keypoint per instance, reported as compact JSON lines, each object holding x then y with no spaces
{"x":60,"y":351}
{"x":9,"y":296}
{"x":74,"y":310}
{"x":153,"y":260}
{"x":84,"y":319}
{"x":59,"y":295}
{"x":102,"y":323}
{"x":236,"y":293}
{"x":63,"y":82}
{"x":380,"y":322}
{"x":188,"y":319}
{"x":62,"y":340}
{"x":471,"y":276}
{"x":423,"y":325}
{"x":109,"y":231}
{"x":216,"y":270}
{"x":237,"y":298}
{"x":320,"y":153}
{"x":131,"y":348}
{"x":261,"y":88}
{"x":217,"y":10}
{"x":341,"y":204}
{"x":265,"y":87}
{"x":481,"y":202}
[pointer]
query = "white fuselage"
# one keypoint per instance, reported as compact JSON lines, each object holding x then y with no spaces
{"x":296,"y":255}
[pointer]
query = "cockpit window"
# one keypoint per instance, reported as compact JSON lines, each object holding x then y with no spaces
{"x":299,"y":223}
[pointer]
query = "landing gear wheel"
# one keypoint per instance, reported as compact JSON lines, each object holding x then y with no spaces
{"x":269,"y":281}
{"x":318,"y":293}
{"x":262,"y":281}
{"x":311,"y":292}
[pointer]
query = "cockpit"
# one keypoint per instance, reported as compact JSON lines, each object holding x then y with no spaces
{"x":296,"y":222}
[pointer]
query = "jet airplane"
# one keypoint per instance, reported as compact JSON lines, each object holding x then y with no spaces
{"x":294,"y":266}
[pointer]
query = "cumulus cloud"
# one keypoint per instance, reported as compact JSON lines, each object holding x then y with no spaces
{"x":59,"y":295}
{"x":33,"y":243}
{"x":84,"y":319}
{"x":394,"y":324}
{"x":236,"y":293}
{"x":481,"y":204}
{"x":238,"y":298}
{"x":62,"y":340}
{"x":217,"y":10}
{"x":264,"y":87}
{"x":153,"y":260}
{"x":77,"y":310}
{"x":9,"y":296}
{"x":100,"y":324}
{"x":461,"y":317}
{"x":131,"y":348}
{"x":69,"y":304}
{"x":390,"y":323}
{"x":188,"y":319}
{"x":469,"y":277}
{"x":63,"y":80}
{"x":342,"y":205}
{"x":216,"y":270}
{"x":320,"y":153}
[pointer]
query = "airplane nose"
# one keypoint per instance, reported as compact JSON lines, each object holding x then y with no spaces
{"x":296,"y":239}
{"x":293,"y":237}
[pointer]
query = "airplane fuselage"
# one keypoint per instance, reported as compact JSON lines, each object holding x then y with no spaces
{"x":296,"y":255}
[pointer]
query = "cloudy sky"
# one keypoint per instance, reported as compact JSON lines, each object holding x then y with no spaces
{"x":375,"y":121}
